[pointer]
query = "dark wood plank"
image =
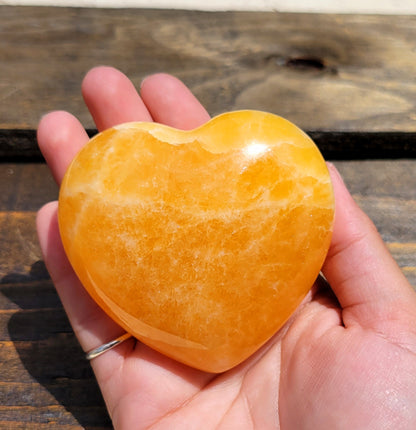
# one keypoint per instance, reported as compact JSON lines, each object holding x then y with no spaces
{"x":51,"y":381}
{"x":313,"y":69}
{"x":20,"y":146}
{"x":51,"y":417}
{"x":386,"y":191}
{"x":33,"y":290}
{"x":25,"y":187}
{"x":45,"y":377}
{"x":19,"y":250}
{"x":28,"y":393}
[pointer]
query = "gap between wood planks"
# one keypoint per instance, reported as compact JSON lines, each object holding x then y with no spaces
{"x":20,"y":146}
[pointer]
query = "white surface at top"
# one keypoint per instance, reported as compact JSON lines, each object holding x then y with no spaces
{"x":321,"y":6}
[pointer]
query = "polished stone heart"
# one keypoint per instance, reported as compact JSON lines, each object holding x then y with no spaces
{"x":200,"y":243}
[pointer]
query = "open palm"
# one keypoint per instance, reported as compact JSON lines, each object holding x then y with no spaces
{"x":346,"y":359}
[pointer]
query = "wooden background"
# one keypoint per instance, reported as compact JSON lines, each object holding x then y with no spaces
{"x":347,"y":79}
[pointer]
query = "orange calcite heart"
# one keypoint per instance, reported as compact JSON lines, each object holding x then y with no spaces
{"x":200,"y":243}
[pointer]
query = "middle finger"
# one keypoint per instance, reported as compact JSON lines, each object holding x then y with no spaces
{"x":112,"y":98}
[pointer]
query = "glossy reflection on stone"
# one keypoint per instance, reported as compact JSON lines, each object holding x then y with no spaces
{"x":200,"y":243}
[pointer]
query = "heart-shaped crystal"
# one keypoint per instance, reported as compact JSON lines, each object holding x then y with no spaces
{"x":200,"y":243}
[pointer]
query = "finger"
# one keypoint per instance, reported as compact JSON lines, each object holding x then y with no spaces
{"x":368,"y":283}
{"x":170,"y":102}
{"x":60,"y":136}
{"x":112,"y":98}
{"x":91,"y":325}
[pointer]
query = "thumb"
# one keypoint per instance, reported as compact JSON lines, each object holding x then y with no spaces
{"x":369,"y":285}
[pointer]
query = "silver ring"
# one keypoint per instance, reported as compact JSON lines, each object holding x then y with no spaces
{"x":107,"y":346}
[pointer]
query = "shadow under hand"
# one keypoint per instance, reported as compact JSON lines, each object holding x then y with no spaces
{"x":49,"y":351}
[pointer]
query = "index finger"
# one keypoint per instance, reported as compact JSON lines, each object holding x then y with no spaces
{"x":111,"y":99}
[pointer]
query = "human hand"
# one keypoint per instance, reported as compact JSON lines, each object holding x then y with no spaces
{"x":346,"y":359}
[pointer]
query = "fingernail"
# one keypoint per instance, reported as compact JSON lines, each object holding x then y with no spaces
{"x":332,"y":169}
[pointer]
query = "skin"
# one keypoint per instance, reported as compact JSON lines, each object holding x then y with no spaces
{"x":345,"y":360}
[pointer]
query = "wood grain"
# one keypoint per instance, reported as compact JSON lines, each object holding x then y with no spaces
{"x":324,"y":72}
{"x":348,"y":79}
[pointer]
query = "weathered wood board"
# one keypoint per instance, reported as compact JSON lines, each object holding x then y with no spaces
{"x":347,"y":78}
{"x":326,"y":72}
